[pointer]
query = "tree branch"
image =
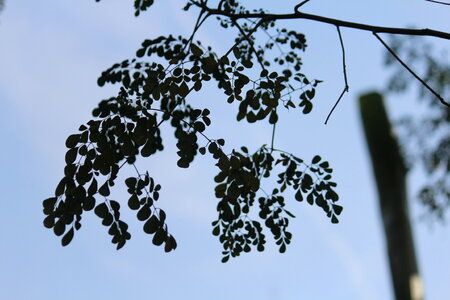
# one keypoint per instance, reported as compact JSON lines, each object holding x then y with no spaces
{"x":336,"y":22}
{"x":411,"y":71}
{"x":297,"y":7}
{"x":438,"y":2}
{"x":344,"y":69}
{"x":263,"y":17}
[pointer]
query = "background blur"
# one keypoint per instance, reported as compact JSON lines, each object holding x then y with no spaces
{"x":51,"y":53}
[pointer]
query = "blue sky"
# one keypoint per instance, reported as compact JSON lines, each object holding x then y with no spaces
{"x":51,"y":53}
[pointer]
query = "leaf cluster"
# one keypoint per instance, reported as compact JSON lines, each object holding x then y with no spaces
{"x":155,"y":88}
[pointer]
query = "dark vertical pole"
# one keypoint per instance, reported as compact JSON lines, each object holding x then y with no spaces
{"x":390,"y":172}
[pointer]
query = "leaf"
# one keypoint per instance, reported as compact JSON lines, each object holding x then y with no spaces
{"x":49,"y":205}
{"x":141,"y":52}
{"x":236,"y":52}
{"x":133,"y":202}
{"x":332,"y":195}
{"x":71,"y":155}
{"x":72,"y":140}
{"x":101,"y":210}
{"x":310,"y":198}
{"x":104,"y":190}
{"x":212,"y":148}
{"x":60,"y":187}
{"x":144,"y":213}
{"x":151,"y":225}
{"x":247,"y":63}
{"x":67,"y":238}
{"x":310,"y":94}
{"x":316,"y":159}
{"x":159,"y":237}
{"x":196,"y":51}
{"x":59,"y":227}
{"x":199,"y":126}
{"x":89,"y":203}
{"x":264,"y":73}
{"x":131,"y":182}
{"x":92,"y":188}
{"x":170,"y":244}
{"x":324,"y":165}
{"x":307,"y":106}
{"x":334,"y":219}
{"x":298,"y":196}
{"x":162,"y":216}
{"x":49,"y":222}
{"x":216,"y":231}
{"x":115,"y":206}
{"x":337,"y":209}
{"x":183,"y":163}
{"x":197,"y":86}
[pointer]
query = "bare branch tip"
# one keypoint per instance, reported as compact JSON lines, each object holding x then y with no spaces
{"x":297,"y":7}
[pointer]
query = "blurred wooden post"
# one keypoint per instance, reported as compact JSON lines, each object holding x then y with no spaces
{"x":390,"y":172}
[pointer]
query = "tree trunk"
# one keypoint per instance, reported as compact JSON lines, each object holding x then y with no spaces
{"x":390,"y":172}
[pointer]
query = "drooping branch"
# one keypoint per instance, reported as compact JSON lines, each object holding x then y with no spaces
{"x":344,"y":70}
{"x":411,"y":71}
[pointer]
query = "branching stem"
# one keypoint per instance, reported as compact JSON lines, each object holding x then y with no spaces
{"x":344,"y":69}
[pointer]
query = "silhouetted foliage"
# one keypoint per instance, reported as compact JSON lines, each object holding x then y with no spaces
{"x":426,"y":139}
{"x":261,"y":75}
{"x":152,"y":94}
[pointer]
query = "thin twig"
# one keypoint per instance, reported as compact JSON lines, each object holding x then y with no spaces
{"x":262,"y":20}
{"x":296,"y":8}
{"x":334,"y":107}
{"x":198,"y":24}
{"x":411,"y":71}
{"x":344,"y":68}
{"x":250,"y":42}
{"x":344,"y":65}
{"x":438,"y":2}
{"x":273,"y":135}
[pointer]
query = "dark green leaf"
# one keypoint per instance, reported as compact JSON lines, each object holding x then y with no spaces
{"x":67,"y":238}
{"x":101,"y":210}
{"x":59,"y":228}
{"x":93,"y":187}
{"x":159,"y":237}
{"x":316,"y":159}
{"x":144,"y":213}
{"x":133,"y":202}
{"x":61,"y":187}
{"x":104,"y":190}
{"x":89,"y":203}
{"x":337,"y":209}
{"x":72,"y":140}
{"x":298,"y":196}
{"x":199,"y":126}
{"x":49,"y":221}
{"x":71,"y":155}
{"x":196,"y":51}
{"x":151,"y":225}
